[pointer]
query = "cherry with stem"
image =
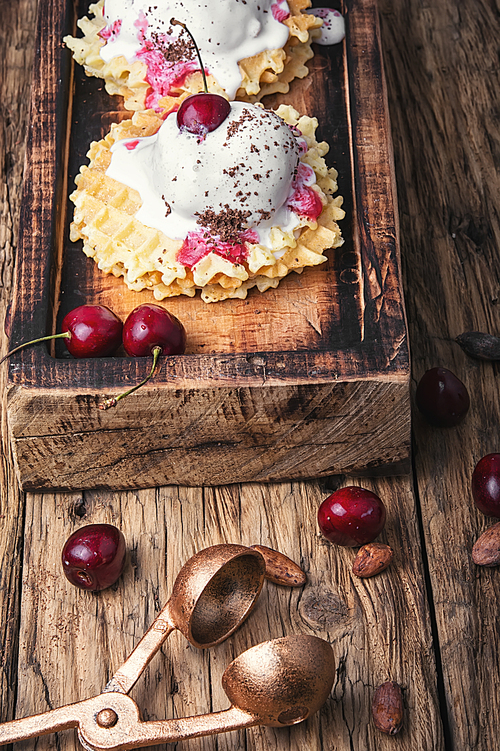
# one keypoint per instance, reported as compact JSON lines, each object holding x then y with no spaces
{"x":201,"y":113}
{"x":149,"y":330}
{"x":88,"y":331}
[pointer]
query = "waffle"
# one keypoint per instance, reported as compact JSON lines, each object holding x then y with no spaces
{"x":104,"y":218}
{"x":269,"y":72}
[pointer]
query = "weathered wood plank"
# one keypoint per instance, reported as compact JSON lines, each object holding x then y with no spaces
{"x":16,"y":52}
{"x":71,"y":641}
{"x":444,"y":98}
{"x":210,"y":436}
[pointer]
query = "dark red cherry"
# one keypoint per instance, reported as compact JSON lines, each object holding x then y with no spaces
{"x":442,"y":398}
{"x":95,"y":331}
{"x":88,"y":331}
{"x":150,"y":326}
{"x":351,"y":516}
{"x":93,"y":557}
{"x":202,"y":113}
{"x":486,"y":485}
{"x":149,"y":330}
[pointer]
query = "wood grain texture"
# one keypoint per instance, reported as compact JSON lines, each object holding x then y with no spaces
{"x":442,"y":75}
{"x":195,"y":436}
{"x":16,"y":52}
{"x":445,"y":99}
{"x":378,"y":628}
{"x":339,"y":329}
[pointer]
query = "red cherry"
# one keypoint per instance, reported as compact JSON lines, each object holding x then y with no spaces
{"x":202,"y":113}
{"x":93,"y":557}
{"x":442,"y":398}
{"x":149,"y":330}
{"x":95,"y":331}
{"x":351,"y":516}
{"x":88,"y":331}
{"x":150,"y":326}
{"x":486,"y":485}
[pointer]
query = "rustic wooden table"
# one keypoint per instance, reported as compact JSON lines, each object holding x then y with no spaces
{"x":430,"y":623}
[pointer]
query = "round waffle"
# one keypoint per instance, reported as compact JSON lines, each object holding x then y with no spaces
{"x":105,"y":220}
{"x":268,"y":72}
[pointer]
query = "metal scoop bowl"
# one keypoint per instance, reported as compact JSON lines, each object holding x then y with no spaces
{"x":215,"y":591}
{"x":279,"y":682}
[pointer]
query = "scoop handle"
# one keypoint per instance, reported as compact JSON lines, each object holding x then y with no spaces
{"x":280,"y":569}
{"x":127,"y":674}
{"x":155,"y":732}
{"x":41,"y":724}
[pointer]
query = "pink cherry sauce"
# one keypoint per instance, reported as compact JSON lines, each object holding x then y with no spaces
{"x":164,"y":78}
{"x":111,"y":31}
{"x":197,"y":245}
{"x":280,"y":11}
{"x":304,"y":201}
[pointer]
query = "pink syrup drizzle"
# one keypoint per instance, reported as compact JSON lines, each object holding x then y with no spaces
{"x":304,"y":201}
{"x":164,"y":79}
{"x":280,"y":11}
{"x":197,"y":245}
{"x":131,"y":145}
{"x":110,"y":31}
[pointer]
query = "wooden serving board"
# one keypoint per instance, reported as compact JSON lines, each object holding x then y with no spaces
{"x":308,"y":380}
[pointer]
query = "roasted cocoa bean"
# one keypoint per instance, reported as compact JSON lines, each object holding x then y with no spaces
{"x":371,"y":559}
{"x":387,"y":708}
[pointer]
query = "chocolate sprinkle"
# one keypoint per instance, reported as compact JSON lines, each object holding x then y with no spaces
{"x":227,"y":225}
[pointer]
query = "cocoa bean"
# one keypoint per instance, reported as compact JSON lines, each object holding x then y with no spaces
{"x":479,"y":345}
{"x":372,"y":559}
{"x":387,"y":708}
{"x":280,"y":569}
{"x":486,"y":550}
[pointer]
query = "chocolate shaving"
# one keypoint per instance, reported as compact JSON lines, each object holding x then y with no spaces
{"x":167,"y":205}
{"x":227,"y":225}
{"x":174,"y":51}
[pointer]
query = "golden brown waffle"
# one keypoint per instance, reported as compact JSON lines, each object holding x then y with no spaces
{"x":104,"y":219}
{"x":269,"y":72}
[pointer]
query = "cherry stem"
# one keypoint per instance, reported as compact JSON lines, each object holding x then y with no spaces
{"x":113,"y":400}
{"x":174,"y":22}
{"x":63,"y":335}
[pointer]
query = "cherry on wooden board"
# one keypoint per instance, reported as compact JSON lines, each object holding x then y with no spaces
{"x":93,"y":557}
{"x":442,"y":398}
{"x":88,"y":331}
{"x":486,"y":485}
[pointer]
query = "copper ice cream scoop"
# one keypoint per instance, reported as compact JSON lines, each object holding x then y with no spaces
{"x":279,"y":682}
{"x":213,"y":594}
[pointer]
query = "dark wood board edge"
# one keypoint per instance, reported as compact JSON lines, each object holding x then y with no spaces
{"x":385,"y":345}
{"x":210,"y":436}
{"x":374,"y":186}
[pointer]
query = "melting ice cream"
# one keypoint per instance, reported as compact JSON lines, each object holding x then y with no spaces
{"x":226,"y":31}
{"x":235,"y":184}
